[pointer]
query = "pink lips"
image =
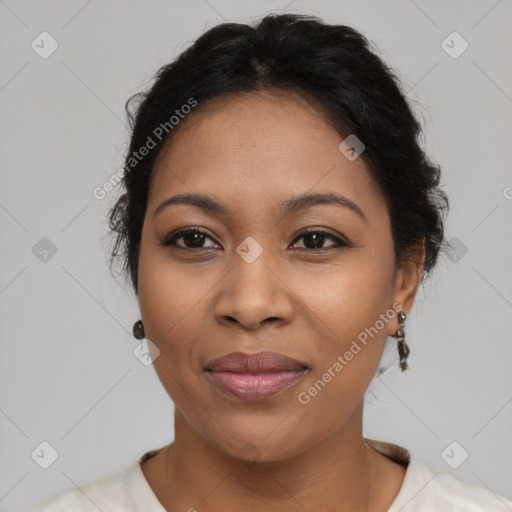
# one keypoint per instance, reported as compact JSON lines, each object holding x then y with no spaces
{"x":255,"y":376}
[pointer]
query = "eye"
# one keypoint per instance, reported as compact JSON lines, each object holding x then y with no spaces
{"x":316,"y":237}
{"x":193,"y":238}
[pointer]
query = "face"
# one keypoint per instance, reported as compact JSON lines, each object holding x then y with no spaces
{"x":312,"y":281}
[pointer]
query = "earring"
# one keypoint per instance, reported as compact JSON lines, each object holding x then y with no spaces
{"x":138,"y":330}
{"x":403,"y":349}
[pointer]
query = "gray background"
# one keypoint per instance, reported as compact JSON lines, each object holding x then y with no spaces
{"x":67,"y":370}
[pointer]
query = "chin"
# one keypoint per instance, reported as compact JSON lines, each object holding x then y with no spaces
{"x":252,"y":448}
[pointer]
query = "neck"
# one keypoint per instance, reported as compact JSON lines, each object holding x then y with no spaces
{"x":333,"y":474}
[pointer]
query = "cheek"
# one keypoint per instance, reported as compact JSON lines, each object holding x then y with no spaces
{"x":346,"y":306}
{"x":169,"y":307}
{"x":347,"y":298}
{"x":173,"y":304}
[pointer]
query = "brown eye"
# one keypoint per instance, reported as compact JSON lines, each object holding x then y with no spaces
{"x":195,"y":238}
{"x":314,"y":239}
{"x":192,"y":239}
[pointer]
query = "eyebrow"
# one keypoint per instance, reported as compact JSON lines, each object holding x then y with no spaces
{"x":286,"y":207}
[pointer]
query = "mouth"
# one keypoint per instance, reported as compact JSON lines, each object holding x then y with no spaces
{"x":255,"y":376}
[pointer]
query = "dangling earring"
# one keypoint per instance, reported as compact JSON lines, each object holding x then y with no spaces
{"x":138,"y":330}
{"x":403,"y":349}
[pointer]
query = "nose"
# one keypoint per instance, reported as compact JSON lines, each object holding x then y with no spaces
{"x":254,"y":294}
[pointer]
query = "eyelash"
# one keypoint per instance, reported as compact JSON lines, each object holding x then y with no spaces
{"x":170,"y":240}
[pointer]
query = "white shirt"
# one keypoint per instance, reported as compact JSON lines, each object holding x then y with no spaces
{"x":424,"y":489}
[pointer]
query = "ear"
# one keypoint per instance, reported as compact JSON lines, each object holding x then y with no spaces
{"x":407,"y":281}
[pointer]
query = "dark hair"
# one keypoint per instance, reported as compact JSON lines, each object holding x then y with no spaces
{"x":334,"y":68}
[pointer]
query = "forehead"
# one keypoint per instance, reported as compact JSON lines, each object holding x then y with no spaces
{"x":247,"y":148}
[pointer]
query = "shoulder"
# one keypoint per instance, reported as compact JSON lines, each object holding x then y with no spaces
{"x":425,"y":488}
{"x":104,"y":494}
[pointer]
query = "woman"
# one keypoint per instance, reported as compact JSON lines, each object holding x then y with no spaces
{"x":279,"y":216}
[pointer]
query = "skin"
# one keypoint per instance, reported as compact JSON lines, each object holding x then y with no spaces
{"x":306,"y":301}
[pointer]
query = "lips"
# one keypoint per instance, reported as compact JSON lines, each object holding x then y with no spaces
{"x":262,"y":362}
{"x":255,"y":376}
